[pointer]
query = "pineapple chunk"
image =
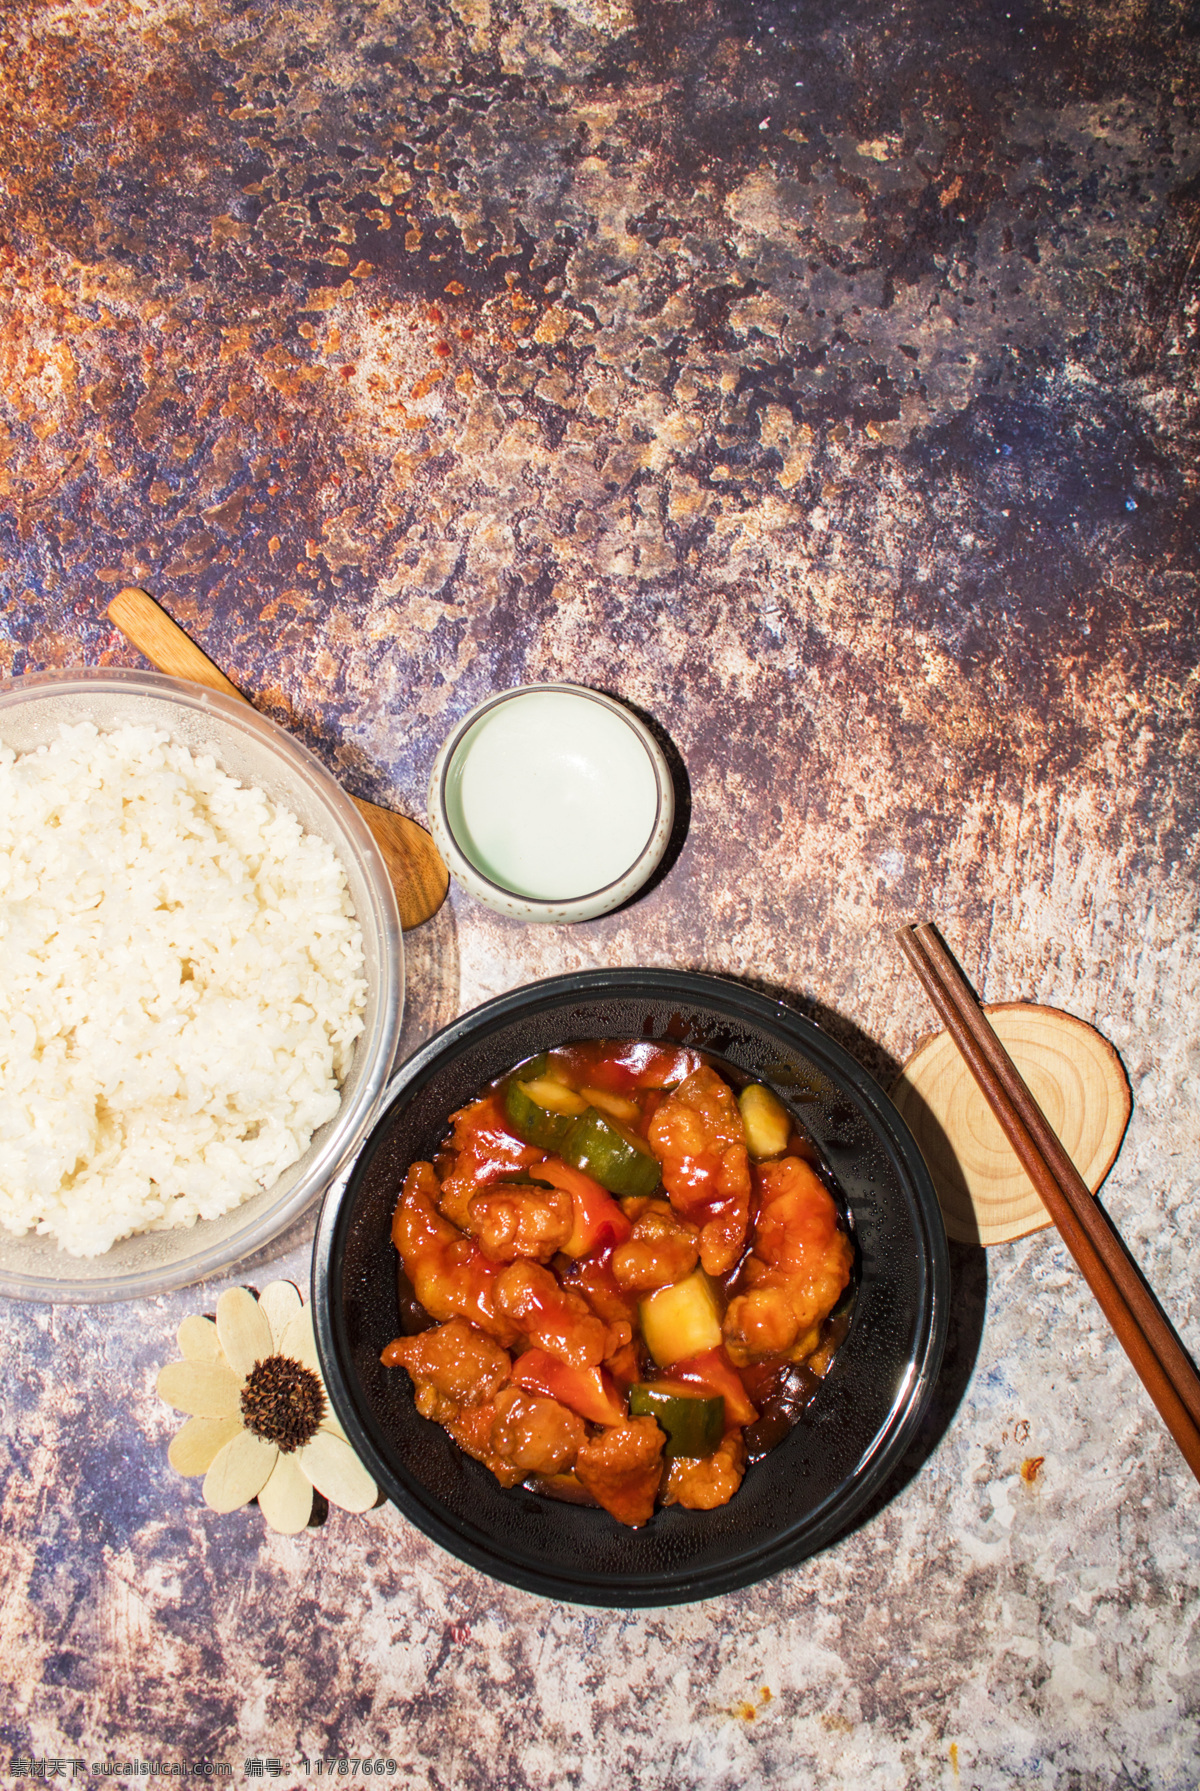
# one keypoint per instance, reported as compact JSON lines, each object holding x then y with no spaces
{"x":767,"y":1121}
{"x":681,"y":1320}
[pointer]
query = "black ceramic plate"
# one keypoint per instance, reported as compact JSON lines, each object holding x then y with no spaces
{"x":850,"y":1436}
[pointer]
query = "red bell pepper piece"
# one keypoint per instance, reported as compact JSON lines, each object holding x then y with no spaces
{"x":591,"y":1392}
{"x":715,"y":1371}
{"x":599,"y":1221}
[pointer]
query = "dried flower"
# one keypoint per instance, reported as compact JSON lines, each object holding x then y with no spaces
{"x":261,"y":1426}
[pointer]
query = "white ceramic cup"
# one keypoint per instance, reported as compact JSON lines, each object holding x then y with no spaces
{"x":551,"y":803}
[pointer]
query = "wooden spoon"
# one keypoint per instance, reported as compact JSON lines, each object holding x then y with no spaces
{"x":418,"y":875}
{"x":1078,"y":1081}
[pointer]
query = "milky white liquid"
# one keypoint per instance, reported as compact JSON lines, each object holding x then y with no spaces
{"x":552,"y":796}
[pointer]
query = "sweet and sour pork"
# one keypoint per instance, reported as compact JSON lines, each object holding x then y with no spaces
{"x":606,"y":1239}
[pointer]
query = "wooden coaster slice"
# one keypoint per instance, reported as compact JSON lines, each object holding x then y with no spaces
{"x":1076,"y":1078}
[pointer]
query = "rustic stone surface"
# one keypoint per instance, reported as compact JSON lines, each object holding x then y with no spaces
{"x":822,"y":381}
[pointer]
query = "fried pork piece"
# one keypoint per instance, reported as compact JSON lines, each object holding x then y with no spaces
{"x":482,"y":1148}
{"x":625,"y":1366}
{"x":512,"y":1221}
{"x":452,"y":1366}
{"x":516,"y":1434}
{"x":472,"y":1431}
{"x":450,"y":1275}
{"x":698,"y":1136}
{"x":799,"y":1265}
{"x":703,"y":1485}
{"x":594,"y":1279}
{"x":661,"y":1248}
{"x":556,"y":1319}
{"x":535,"y":1434}
{"x":622,"y":1467}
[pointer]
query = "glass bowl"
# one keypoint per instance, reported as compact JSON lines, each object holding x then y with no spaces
{"x":256,"y":751}
{"x":850,"y":1436}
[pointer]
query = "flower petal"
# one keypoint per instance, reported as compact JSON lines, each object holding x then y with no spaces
{"x":329,"y":1422}
{"x":198,"y":1340}
{"x":239,"y":1471}
{"x":281,"y":1302}
{"x":194,"y":1449}
{"x":206,"y":1389}
{"x":243,"y":1330}
{"x":336,"y":1471}
{"x":286,"y":1500}
{"x":299,"y":1343}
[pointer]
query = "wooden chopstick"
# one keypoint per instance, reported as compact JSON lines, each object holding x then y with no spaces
{"x":1067,"y":1180}
{"x":1166,"y":1370}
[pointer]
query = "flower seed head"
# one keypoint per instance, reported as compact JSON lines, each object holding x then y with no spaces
{"x":283,"y":1402}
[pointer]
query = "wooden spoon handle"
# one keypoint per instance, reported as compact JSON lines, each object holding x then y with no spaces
{"x":416,"y":870}
{"x":164,"y":643}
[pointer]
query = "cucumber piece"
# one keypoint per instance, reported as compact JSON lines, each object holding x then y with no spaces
{"x":694,"y":1422}
{"x":681,"y":1320}
{"x":767,"y":1121}
{"x":540,"y":1117}
{"x":611,"y":1154}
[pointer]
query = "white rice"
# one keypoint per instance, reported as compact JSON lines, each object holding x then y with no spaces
{"x":180,"y":988}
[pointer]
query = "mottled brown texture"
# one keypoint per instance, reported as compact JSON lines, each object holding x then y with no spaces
{"x":822,"y":381}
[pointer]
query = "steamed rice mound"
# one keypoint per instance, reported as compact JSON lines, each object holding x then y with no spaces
{"x":180,"y":988}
